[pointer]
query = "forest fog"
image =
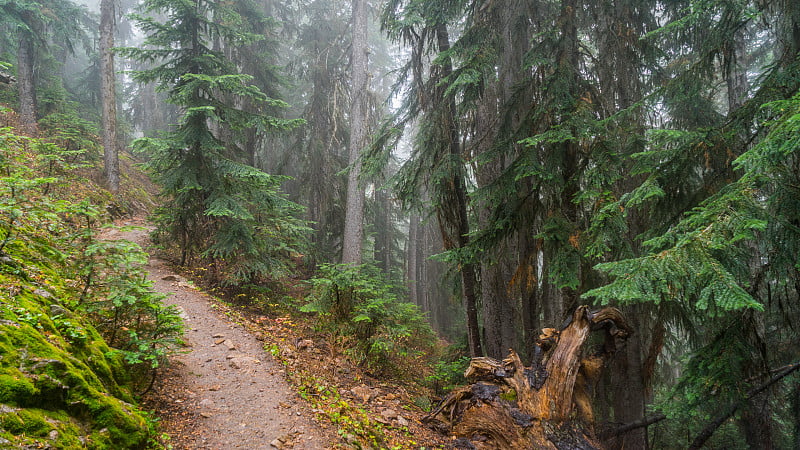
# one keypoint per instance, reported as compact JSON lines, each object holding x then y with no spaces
{"x":501,"y":178}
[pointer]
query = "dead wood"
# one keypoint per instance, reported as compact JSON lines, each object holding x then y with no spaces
{"x":6,"y":78}
{"x":546,"y":405}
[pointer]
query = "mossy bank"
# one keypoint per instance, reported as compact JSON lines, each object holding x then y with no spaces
{"x":80,"y":330}
{"x":60,"y":384}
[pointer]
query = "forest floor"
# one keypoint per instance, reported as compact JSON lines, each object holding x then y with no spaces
{"x":225,"y":391}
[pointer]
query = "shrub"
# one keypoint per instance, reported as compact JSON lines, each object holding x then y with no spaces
{"x":360,"y":305}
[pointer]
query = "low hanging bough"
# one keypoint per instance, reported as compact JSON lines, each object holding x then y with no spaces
{"x":544,"y":406}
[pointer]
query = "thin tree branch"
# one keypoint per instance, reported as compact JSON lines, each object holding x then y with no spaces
{"x":622,"y":429}
{"x":709,"y":430}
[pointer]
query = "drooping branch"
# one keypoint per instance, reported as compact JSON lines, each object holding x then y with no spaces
{"x":709,"y":430}
{"x":712,"y":426}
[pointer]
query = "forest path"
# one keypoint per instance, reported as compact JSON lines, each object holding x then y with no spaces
{"x":225,"y":391}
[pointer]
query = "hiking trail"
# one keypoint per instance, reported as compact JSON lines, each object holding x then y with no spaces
{"x":223,"y":391}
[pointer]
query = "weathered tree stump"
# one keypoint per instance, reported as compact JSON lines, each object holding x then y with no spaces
{"x":544,"y":406}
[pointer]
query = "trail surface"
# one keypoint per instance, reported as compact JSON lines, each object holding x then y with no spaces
{"x":225,"y":392}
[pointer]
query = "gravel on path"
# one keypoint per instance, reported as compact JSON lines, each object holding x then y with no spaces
{"x":225,"y":391}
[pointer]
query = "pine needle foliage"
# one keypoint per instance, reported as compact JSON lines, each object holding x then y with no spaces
{"x":360,"y":306}
{"x":216,"y":207}
{"x":720,"y":192}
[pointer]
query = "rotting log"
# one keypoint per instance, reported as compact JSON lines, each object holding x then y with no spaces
{"x":543,"y":406}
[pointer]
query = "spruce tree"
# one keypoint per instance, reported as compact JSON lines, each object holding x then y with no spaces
{"x":435,"y":166}
{"x":216,"y":206}
{"x":718,"y":197}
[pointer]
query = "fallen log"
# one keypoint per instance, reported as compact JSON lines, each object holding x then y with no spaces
{"x":543,"y":406}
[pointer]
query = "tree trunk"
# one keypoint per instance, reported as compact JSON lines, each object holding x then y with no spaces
{"x":736,"y":71}
{"x":756,"y":422}
{"x":458,"y":194}
{"x":796,"y":413}
{"x":412,"y":249}
{"x":544,"y":406}
{"x":499,"y":329}
{"x":384,"y":231}
{"x":354,"y":209}
{"x":108,"y":94}
{"x":26,"y":85}
{"x":628,"y":388}
{"x":619,"y":76}
{"x":430,"y":289}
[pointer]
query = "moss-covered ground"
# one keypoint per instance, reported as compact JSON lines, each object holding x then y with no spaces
{"x":61,"y":385}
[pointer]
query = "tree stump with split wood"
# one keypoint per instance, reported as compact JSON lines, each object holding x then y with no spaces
{"x":544,"y":406}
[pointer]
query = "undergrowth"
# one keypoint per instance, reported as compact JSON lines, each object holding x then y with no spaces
{"x":80,"y":329}
{"x":358,"y":306}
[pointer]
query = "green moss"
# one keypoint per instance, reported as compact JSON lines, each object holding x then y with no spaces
{"x":61,"y":385}
{"x":38,"y":428}
{"x":31,"y":422}
{"x":509,"y":396}
{"x":16,"y":389}
{"x":79,"y":383}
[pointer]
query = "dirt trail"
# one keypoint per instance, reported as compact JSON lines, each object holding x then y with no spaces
{"x":225,"y":392}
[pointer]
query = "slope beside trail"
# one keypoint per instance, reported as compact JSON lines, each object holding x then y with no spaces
{"x":224,"y":391}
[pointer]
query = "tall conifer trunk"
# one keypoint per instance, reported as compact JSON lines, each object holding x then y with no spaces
{"x":501,"y":324}
{"x":384,"y":230}
{"x":108,"y":94}
{"x":412,"y":251}
{"x":619,"y":77}
{"x":26,"y":84}
{"x":458,"y":192}
{"x":354,"y":209}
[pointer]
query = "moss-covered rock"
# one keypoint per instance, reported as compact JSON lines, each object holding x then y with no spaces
{"x":67,"y":396}
{"x":61,"y":384}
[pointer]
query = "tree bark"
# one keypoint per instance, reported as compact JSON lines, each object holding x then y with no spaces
{"x":498,"y":308}
{"x":354,"y":209}
{"x":619,"y":76}
{"x":384,"y":231}
{"x":412,"y":249}
{"x":499,"y":327}
{"x":796,"y":414}
{"x":458,"y":194}
{"x":628,"y":388}
{"x":736,"y":71}
{"x":108,"y":94}
{"x":26,"y":85}
{"x":431,"y":290}
{"x":543,"y":406}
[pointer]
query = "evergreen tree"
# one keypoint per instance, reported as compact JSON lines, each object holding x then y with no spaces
{"x":354,"y":205}
{"x":217,"y":207}
{"x":436,"y":166}
{"x":704,"y":261}
{"x":316,"y":154}
{"x":38,"y":30}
